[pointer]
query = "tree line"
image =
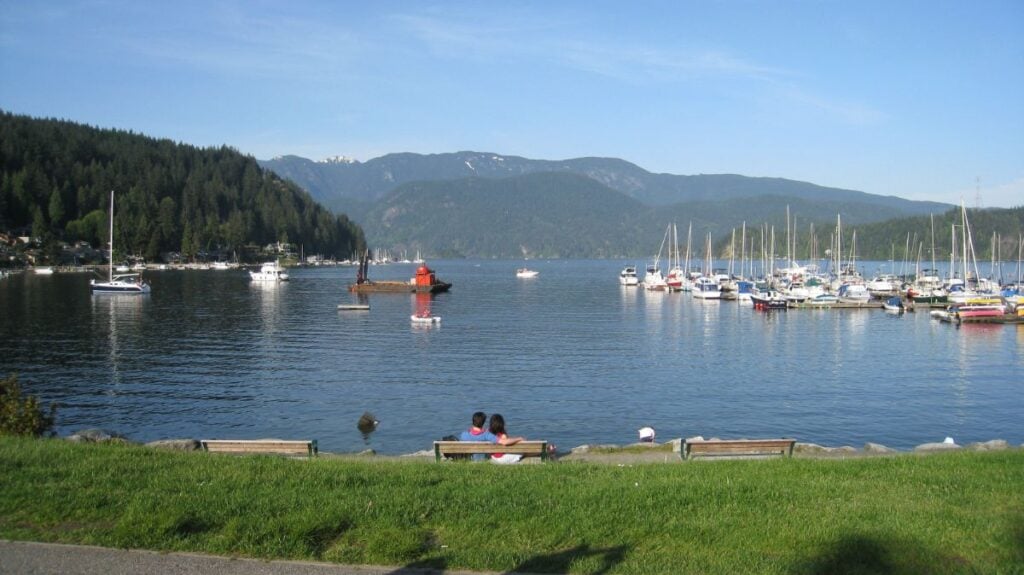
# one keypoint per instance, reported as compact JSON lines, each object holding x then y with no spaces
{"x":56,"y":177}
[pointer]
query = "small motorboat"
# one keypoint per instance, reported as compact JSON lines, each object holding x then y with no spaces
{"x":769,"y":300}
{"x":893,"y":304}
{"x":526,"y":273}
{"x":822,"y":300}
{"x":270,"y":272}
{"x":425,"y":319}
{"x":627,"y":276}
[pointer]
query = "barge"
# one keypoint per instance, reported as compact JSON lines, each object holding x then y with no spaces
{"x":424,"y":282}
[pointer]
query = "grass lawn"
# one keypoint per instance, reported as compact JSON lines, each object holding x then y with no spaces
{"x":943,"y":513}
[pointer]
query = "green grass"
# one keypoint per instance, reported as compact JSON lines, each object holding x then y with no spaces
{"x":944,"y":513}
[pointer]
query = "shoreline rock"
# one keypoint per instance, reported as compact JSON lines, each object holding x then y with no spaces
{"x":642,"y":452}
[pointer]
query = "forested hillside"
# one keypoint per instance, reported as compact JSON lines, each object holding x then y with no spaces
{"x":881,"y":239}
{"x":537,"y":215}
{"x":337,"y":182}
{"x":56,"y":178}
{"x":563,"y":215}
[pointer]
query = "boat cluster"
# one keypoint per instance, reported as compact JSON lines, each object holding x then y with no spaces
{"x":806,"y":286}
{"x":964,"y":293}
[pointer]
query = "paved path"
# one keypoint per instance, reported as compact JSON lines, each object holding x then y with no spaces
{"x":27,"y":558}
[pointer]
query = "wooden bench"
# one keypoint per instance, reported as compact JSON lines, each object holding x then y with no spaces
{"x":305,"y":447}
{"x":730,"y":448}
{"x":524,"y":448}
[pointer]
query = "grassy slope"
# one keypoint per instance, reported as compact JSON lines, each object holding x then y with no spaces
{"x":961,"y":512}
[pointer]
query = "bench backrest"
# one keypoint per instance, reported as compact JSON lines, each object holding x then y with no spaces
{"x":535,"y":448}
{"x":305,"y":447}
{"x":738,"y":448}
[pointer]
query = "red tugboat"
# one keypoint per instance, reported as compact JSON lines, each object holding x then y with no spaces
{"x":424,"y":282}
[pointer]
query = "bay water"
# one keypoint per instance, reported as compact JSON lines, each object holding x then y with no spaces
{"x":569,"y":356}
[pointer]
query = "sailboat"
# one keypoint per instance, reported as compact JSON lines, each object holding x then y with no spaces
{"x":122,"y":283}
{"x":676,"y":274}
{"x":654,"y":280}
{"x":705,"y":287}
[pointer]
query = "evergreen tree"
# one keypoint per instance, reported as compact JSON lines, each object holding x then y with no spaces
{"x":56,"y":208}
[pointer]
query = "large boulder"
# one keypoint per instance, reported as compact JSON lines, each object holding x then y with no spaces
{"x":587,"y":448}
{"x":993,"y":445}
{"x":809,"y":449}
{"x":97,"y":436}
{"x":876,"y":448}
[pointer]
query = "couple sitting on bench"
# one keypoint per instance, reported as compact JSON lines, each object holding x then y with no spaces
{"x":494,"y":434}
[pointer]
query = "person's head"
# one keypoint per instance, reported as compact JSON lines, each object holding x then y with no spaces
{"x":497,"y":423}
{"x":479,"y":418}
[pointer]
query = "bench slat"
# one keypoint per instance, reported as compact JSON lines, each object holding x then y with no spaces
{"x":739,"y":447}
{"x":281,"y":446}
{"x":442,"y":448}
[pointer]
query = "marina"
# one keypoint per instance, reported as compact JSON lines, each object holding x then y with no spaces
{"x":214,"y":354}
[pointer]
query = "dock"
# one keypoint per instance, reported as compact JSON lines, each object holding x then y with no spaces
{"x":909,"y":306}
{"x":1001,"y":319}
{"x":837,"y":305}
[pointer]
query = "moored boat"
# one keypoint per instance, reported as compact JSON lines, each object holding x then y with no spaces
{"x":122,"y":283}
{"x":823,"y":300}
{"x":707,"y":288}
{"x":744,"y":292}
{"x":768,"y":299}
{"x":654,"y":280}
{"x":883,"y":285}
{"x":627,"y":276}
{"x":270,"y":272}
{"x":893,"y":304}
{"x":854,"y":293}
{"x":425,"y":319}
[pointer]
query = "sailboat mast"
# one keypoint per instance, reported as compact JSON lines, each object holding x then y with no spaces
{"x":689,"y":237}
{"x":933,"y":244}
{"x":839,"y":246}
{"x":1020,"y":250}
{"x":732,"y":252}
{"x":743,"y":247}
{"x":110,"y":269}
{"x":952,"y":252}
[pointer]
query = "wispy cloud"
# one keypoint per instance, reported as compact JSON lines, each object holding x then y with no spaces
{"x":847,"y":112}
{"x":627,"y":63}
{"x":635,"y":63}
{"x":240,"y":43}
{"x":549,"y":42}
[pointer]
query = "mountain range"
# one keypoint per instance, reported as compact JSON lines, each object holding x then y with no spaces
{"x":474,"y":204}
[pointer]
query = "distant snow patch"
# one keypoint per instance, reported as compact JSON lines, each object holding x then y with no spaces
{"x":339,"y":160}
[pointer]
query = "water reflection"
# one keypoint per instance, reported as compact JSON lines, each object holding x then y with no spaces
{"x":120,"y":315}
{"x":269,"y":296}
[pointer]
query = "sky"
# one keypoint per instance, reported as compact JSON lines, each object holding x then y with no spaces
{"x":918,"y":99}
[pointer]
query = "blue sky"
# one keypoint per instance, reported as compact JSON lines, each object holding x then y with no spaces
{"x":923,"y":100}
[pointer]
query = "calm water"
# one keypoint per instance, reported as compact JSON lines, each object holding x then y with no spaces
{"x":569,"y":356}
